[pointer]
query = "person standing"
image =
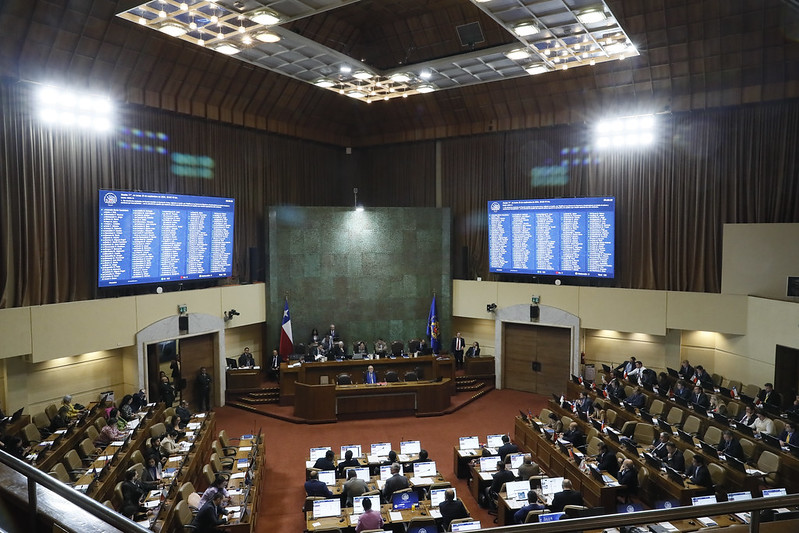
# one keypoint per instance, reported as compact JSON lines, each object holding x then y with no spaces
{"x":204,"y":385}
{"x":456,"y":348}
{"x":246,"y":360}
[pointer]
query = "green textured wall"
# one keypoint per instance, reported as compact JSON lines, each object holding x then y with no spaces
{"x":371,"y":273}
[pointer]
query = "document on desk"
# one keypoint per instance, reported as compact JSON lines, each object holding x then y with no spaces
{"x":193,"y":425}
{"x":381,"y":483}
{"x":395,"y":516}
{"x":668,"y":526}
{"x":754,"y":472}
{"x":435,"y":513}
{"x":245,"y":448}
{"x":238,"y":475}
{"x":309,"y":464}
{"x":152,"y":504}
{"x":421,"y":480}
{"x":743,"y":517}
{"x":199,"y":415}
{"x":354,"y":519}
{"x":403,"y":458}
{"x":81,"y":488}
{"x":492,"y":451}
{"x":485,"y":476}
{"x":516,"y":504}
{"x":233,"y":509}
{"x":706,"y":521}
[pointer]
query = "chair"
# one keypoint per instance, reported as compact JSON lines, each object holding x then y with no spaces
{"x":118,"y":494}
{"x":137,"y":467}
{"x":186,"y":489}
{"x":414,"y":345}
{"x":717,"y":379}
{"x":391,"y":377}
{"x":87,"y":451}
{"x":532,"y":516}
{"x":645,"y":433}
{"x":73,"y":463}
{"x":92,"y":433}
{"x":100,"y":423}
{"x":60,"y":473}
{"x":110,"y":505}
{"x":300,"y":349}
{"x":692,"y":425}
{"x":749,"y":448}
{"x":411,"y":376}
{"x":573,"y":511}
{"x":628,"y":390}
{"x":396,"y":348}
{"x":225,"y":443}
{"x":593,"y":445}
{"x":418,"y":371}
{"x":31,"y":435}
{"x":169,"y":412}
{"x":51,"y":410}
{"x":157,"y":430}
{"x":675,"y":416}
{"x":610,"y":417}
{"x":184,"y":515}
{"x":719,"y":476}
{"x":779,"y":425}
{"x":208,"y":474}
{"x":226,"y":461}
{"x":218,"y":466}
{"x":421,"y":522}
{"x":344,"y":379}
{"x":627,"y":429}
{"x":751,"y":390}
{"x":137,"y":457}
{"x":657,"y":408}
{"x":712,"y":435}
{"x":544,"y":414}
{"x":688,"y":454}
{"x":735,"y":384}
{"x":41,"y":420}
{"x":567,"y":420}
{"x":769,"y":463}
{"x":733,"y":409}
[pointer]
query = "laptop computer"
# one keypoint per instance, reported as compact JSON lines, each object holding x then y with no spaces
{"x":665,"y":426}
{"x":231,"y":363}
{"x":325,"y":508}
{"x":675,"y":476}
{"x":404,"y":500}
{"x":744,"y":429}
{"x":328,"y":477}
{"x":767,"y":493}
{"x":436,"y":496}
{"x":681,"y":401}
{"x":685,"y":437}
{"x":739,"y":496}
{"x":720,"y":418}
{"x":471,"y":525}
{"x":700,"y":409}
{"x":652,"y":461}
{"x":647,"y":417}
{"x":703,"y":500}
{"x":771,"y":440}
{"x":737,"y":464}
{"x":357,"y":503}
{"x":673,"y":373}
{"x":709,"y":449}
{"x":468,"y":443}
{"x":494,"y":441}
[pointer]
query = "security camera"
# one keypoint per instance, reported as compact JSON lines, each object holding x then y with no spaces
{"x":491,"y":307}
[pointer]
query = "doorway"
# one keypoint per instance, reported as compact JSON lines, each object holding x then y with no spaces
{"x":786,"y":374}
{"x":536,"y":358}
{"x":193,"y":353}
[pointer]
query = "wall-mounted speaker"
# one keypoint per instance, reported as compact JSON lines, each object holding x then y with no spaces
{"x":793,"y":286}
{"x":183,"y":323}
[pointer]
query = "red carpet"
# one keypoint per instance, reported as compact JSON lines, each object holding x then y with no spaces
{"x":287,"y":447}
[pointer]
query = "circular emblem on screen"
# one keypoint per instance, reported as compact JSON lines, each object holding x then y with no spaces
{"x":110,"y":198}
{"x":667,"y":505}
{"x":495,"y":206}
{"x":405,"y":497}
{"x":422,"y":530}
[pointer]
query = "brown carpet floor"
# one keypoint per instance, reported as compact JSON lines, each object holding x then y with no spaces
{"x":287,"y":447}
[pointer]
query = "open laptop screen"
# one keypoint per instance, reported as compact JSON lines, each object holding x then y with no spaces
{"x":468,"y":443}
{"x":551,"y":485}
{"x":494,"y":441}
{"x":473,"y":525}
{"x":385,"y":472}
{"x":516,"y":460}
{"x":410,"y":447}
{"x":328,"y":477}
{"x":404,"y":500}
{"x":425,"y":469}
{"x":381,"y":449}
{"x":317,"y":453}
{"x":738,"y":496}
{"x":517,"y":490}
{"x":488,"y":464}
{"x":703,"y":500}
{"x":324,"y":508}
{"x":774,"y":492}
{"x":437,"y":496}
{"x":357,"y":503}
{"x":356,"y":450}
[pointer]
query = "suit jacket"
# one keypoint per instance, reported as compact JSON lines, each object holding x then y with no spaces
{"x":772,"y":398}
{"x":629,"y":478}
{"x":351,"y":488}
{"x":686,"y":371}
{"x":701,"y":399}
{"x":370,"y":377}
{"x":608,"y":462}
{"x":684,"y":393}
{"x":566,"y":497}
{"x":472,"y":352}
{"x":677,"y":461}
{"x":585,"y":405}
{"x":660,"y":450}
{"x":793,"y":438}
{"x":208,"y":518}
{"x":451,"y":510}
{"x":576,"y":437}
{"x":637,"y":400}
{"x":732,"y":448}
{"x":505,"y":449}
{"x":246,"y":359}
{"x":324,"y":464}
{"x":394,"y":483}
{"x":747,"y":420}
{"x":314,"y":487}
{"x":521,"y":514}
{"x":503,"y":476}
{"x":341,"y":470}
{"x":700,"y":475}
{"x":453,"y":347}
{"x":703,"y":377}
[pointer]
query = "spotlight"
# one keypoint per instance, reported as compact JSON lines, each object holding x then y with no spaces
{"x":491,"y":307}
{"x":230,"y":314}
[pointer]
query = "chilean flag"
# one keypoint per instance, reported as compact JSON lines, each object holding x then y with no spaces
{"x":286,"y":338}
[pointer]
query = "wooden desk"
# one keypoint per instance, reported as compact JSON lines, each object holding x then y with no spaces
{"x":479,"y":366}
{"x":313,"y":373}
{"x":461,"y":460}
{"x":243,"y":379}
{"x":325,"y":403}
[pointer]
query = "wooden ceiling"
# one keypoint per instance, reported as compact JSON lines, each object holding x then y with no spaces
{"x":694,"y":55}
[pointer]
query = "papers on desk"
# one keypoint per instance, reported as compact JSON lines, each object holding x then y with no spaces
{"x":486,"y":476}
{"x":144,"y":523}
{"x":515,"y":504}
{"x":233,"y":509}
{"x":706,"y":521}
{"x":150,"y":404}
{"x":309,"y":464}
{"x":668,"y":526}
{"x":612,"y":483}
{"x":354,"y":519}
{"x":199,"y":415}
{"x":59,"y":432}
{"x":154,"y":494}
{"x":381,"y":483}
{"x":374,"y":459}
{"x":492,"y":451}
{"x":468,"y":453}
{"x":234,"y":492}
{"x":395,"y":516}
{"x":743,"y":517}
{"x":245,"y":448}
{"x":104,"y":458}
{"x":46,"y":443}
{"x":174,"y":459}
{"x":193,"y":425}
{"x":422,"y":480}
{"x":152,"y":504}
{"x":184,"y":446}
{"x":118,"y":443}
{"x":81,"y":488}
{"x":316,"y":524}
{"x":133,"y":424}
{"x":754,"y":472}
{"x":243,"y":463}
{"x":403,"y":458}
{"x":294,"y":365}
{"x":435,"y":513}
{"x":238,"y":475}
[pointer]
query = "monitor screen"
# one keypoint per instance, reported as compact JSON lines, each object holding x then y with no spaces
{"x":703,"y":500}
{"x":362,"y":473}
{"x":147,"y":237}
{"x":551,"y":485}
{"x":385,"y":472}
{"x":516,"y":460}
{"x":517,"y":490}
{"x":357,"y":503}
{"x":404,"y":500}
{"x":381,"y":449}
{"x":328,"y":477}
{"x":437,"y":496}
{"x":549,"y":517}
{"x":317,"y":453}
{"x":488,"y":464}
{"x":774,"y":492}
{"x":323,"y":508}
{"x":468,"y":443}
{"x":494,"y":441}
{"x":424,"y":469}
{"x":410,"y":447}
{"x":738,"y":496}
{"x":472,"y":525}
{"x":356,"y":450}
{"x":557,"y":237}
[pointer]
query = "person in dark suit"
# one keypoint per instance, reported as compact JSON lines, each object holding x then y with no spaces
{"x":274,"y":365}
{"x":507,"y":447}
{"x":567,"y":496}
{"x":730,"y":446}
{"x":370,"y":376}
{"x":132,"y":494}
{"x":769,"y":396}
{"x":532,"y":505}
{"x":698,"y":472}
{"x":681,"y":390}
{"x":789,"y":436}
{"x":575,"y":435}
{"x":337,"y":352}
{"x":616,"y":389}
{"x":701,"y":376}
{"x":748,"y":418}
{"x":626,"y":366}
{"x":396,"y":482}
{"x":584,"y":404}
{"x":637,"y":398}
{"x":674,"y":458}
{"x":326,"y":462}
{"x":474,"y":350}
{"x":686,"y":371}
{"x":204,"y":385}
{"x":456,"y":347}
{"x":659,"y":446}
{"x":354,"y":486}
{"x":607,"y":460}
{"x":500,"y":477}
{"x":348,"y":462}
{"x":210,"y":516}
{"x":700,"y":398}
{"x":628,"y":477}
{"x":451,"y":509}
{"x":246,"y":360}
{"x":314,"y":487}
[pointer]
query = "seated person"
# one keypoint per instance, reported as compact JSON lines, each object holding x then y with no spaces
{"x":686,"y":371}
{"x":451,"y":509}
{"x":664,"y":382}
{"x":789,"y":436}
{"x":499,"y":478}
{"x":636,"y":373}
{"x":169,"y":445}
{"x":139,"y":401}
{"x":681,"y":390}
{"x":700,"y":398}
{"x":326,"y":462}
{"x":626,"y":366}
{"x":132,"y":494}
{"x":794,"y":408}
{"x":555,"y":423}
{"x":730,"y":446}
{"x":575,"y":435}
{"x":762,"y":424}
{"x":370,"y":519}
{"x":390,"y":459}
{"x":528,"y":468}
{"x":658,"y":447}
{"x":152,"y":472}
{"x":184,"y":413}
{"x":748,"y":417}
{"x":370,"y":376}
{"x":474,"y":350}
{"x":348,"y":462}
{"x":616,"y":389}
{"x":674,"y":458}
{"x":607,"y":461}
{"x":533,"y":504}
{"x":154,"y":450}
{"x":507,"y":447}
{"x":69,"y":409}
{"x":246,"y":360}
{"x":314,"y":487}
{"x":567,"y":496}
{"x":397,"y":481}
{"x":337,"y":352}
{"x":381,"y":348}
{"x":354,"y":486}
{"x":361,"y":348}
{"x":717,"y":405}
{"x":210,"y":516}
{"x":701,"y":377}
{"x":768,"y":396}
{"x":637,"y":398}
{"x":584,"y":403}
{"x":698,"y":472}
{"x":423,"y":457}
{"x":109,"y":434}
{"x":628,"y":476}
{"x":126,"y":412}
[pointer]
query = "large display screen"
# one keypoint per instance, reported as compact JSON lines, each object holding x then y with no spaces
{"x":558,"y":237}
{"x":149,"y":237}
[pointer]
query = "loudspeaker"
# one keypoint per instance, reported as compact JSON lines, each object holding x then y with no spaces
{"x":793,"y":286}
{"x":535,"y":312}
{"x":183,"y":323}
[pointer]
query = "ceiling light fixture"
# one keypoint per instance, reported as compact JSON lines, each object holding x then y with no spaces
{"x":525,"y":29}
{"x":425,"y":88}
{"x":537,"y":69}
{"x":267,"y":37}
{"x":362,"y":75}
{"x":400,"y":77}
{"x":518,"y":53}
{"x":592,"y":16}
{"x":265,"y":17}
{"x":173,"y":29}
{"x":616,"y":48}
{"x":227,"y":48}
{"x":356,"y":94}
{"x":324,"y":83}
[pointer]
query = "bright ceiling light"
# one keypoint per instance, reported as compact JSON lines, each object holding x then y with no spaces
{"x":267,"y":37}
{"x":227,"y":48}
{"x":616,"y":48}
{"x":173,"y":29}
{"x":425,"y":74}
{"x":325,"y":83}
{"x":592,"y":16}
{"x":362,"y":75}
{"x":345,"y":69}
{"x":525,"y":29}
{"x":400,"y":77}
{"x":425,"y":88}
{"x":356,"y":94}
{"x":536,"y":69}
{"x":518,"y":53}
{"x":265,"y":17}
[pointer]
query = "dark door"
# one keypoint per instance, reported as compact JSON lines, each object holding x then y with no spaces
{"x":536,"y":358}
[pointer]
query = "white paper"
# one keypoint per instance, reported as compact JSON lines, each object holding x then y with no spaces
{"x":395,"y":516}
{"x":238,"y":475}
{"x":245,"y":448}
{"x":152,"y":504}
{"x":485,"y":476}
{"x":435,"y":513}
